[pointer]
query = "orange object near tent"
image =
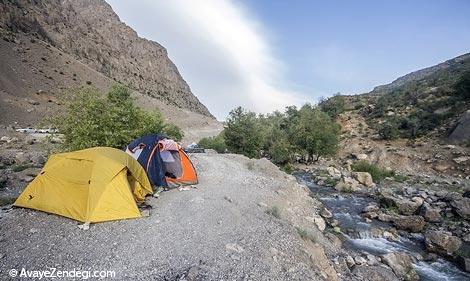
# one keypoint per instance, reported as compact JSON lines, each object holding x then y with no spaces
{"x":164,"y":160}
{"x":188,"y":174}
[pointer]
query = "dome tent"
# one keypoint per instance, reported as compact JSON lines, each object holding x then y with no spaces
{"x":90,"y":185}
{"x":166,"y":166}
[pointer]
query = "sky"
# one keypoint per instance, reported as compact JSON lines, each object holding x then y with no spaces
{"x":268,"y":54}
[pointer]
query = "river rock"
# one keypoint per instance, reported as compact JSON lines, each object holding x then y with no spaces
{"x":462,"y":207}
{"x":372,"y":207}
{"x":409,"y":223}
{"x":431,"y":214}
{"x":325,"y":213}
{"x":385,"y":217}
{"x":347,"y":184}
{"x":374,"y":273}
{"x":364,"y":178}
{"x":441,"y":242}
{"x":464,"y":263}
{"x":400,"y":263}
{"x":334,"y":173}
{"x":408,"y":207}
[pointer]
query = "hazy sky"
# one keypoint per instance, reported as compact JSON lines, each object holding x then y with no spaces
{"x":266,"y":54}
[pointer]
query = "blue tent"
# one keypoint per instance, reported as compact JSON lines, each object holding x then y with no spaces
{"x":145,"y":150}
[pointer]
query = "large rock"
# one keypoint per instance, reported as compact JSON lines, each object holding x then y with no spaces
{"x":408,"y":207}
{"x":461,"y":133}
{"x":364,"y":178}
{"x":401,"y":264}
{"x":431,"y":214}
{"x":374,"y":273}
{"x":462,"y":207}
{"x":347,"y":184}
{"x":441,"y":242}
{"x":409,"y":223}
{"x":333,"y":172}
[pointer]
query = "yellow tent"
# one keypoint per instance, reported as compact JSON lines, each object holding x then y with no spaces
{"x":90,"y":185}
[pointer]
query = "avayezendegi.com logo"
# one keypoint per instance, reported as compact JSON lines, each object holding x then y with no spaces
{"x":52,"y":273}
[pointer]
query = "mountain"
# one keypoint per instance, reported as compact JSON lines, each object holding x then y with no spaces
{"x":432,"y":101}
{"x":48,"y":47}
{"x":454,"y":65}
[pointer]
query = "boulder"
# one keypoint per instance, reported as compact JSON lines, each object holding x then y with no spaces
{"x":364,"y":178}
{"x":374,"y":273}
{"x":408,"y":207}
{"x":409,"y":223}
{"x":461,"y":133}
{"x":463,"y":262}
{"x":431,"y":214}
{"x":334,"y":173}
{"x":462,"y":207}
{"x":371,"y":207}
{"x":441,"y":242}
{"x":360,"y":156}
{"x":461,"y":159}
{"x":347,"y":184}
{"x":400,"y":263}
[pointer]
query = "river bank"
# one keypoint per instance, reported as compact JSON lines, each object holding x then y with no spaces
{"x":396,"y":224}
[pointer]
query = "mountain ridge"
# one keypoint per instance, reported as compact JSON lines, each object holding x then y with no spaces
{"x":92,"y":33}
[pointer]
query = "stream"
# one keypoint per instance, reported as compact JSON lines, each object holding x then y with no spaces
{"x":347,"y":208}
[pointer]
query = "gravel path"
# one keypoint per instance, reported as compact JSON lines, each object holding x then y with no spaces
{"x":218,"y":231}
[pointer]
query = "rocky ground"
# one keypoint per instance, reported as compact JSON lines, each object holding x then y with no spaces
{"x":239,"y":223}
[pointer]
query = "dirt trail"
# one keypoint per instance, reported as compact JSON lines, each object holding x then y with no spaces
{"x":220,"y":230}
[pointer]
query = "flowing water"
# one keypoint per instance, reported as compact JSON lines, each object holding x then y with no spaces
{"x":361,"y":237}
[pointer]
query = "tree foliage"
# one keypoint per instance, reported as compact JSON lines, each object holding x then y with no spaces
{"x":242,"y":133}
{"x":282,"y":137}
{"x":113,"y":120}
{"x":217,"y":143}
{"x":334,"y":105}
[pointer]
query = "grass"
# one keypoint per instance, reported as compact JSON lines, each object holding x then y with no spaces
{"x":375,"y":171}
{"x":331,"y":182}
{"x":274,"y":211}
{"x":303,"y":233}
{"x":400,"y":178}
{"x":288,"y":168}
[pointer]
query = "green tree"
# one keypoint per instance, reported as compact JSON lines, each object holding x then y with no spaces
{"x":92,"y":119}
{"x":316,"y":133}
{"x":242,"y":133}
{"x":333,"y":106}
{"x":217,"y":143}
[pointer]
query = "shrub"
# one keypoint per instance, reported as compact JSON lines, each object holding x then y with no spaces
{"x":242,"y":133}
{"x":217,"y":143}
{"x":388,"y":130}
{"x":333,"y":106}
{"x":375,"y":171}
{"x":114,"y":120}
{"x":274,"y":211}
{"x":317,"y":133}
{"x":288,"y":168}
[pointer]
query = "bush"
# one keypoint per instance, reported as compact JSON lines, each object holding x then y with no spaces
{"x":217,"y":143}
{"x":388,"y":130}
{"x":375,"y":171}
{"x":114,"y":120}
{"x":317,"y":133}
{"x":333,"y":106}
{"x":242,"y":133}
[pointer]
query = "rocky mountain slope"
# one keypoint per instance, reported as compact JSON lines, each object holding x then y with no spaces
{"x":49,"y":47}
{"x":417,"y":124}
{"x":449,"y":65}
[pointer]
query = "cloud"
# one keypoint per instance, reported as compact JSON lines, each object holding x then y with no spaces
{"x":220,"y":49}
